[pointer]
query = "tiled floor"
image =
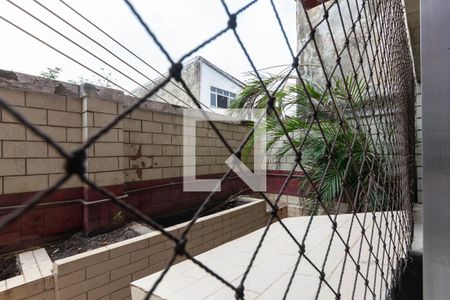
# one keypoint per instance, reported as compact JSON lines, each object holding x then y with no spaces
{"x":275,"y":262}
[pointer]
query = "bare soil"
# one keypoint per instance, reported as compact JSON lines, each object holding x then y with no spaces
{"x":79,"y":242}
{"x":9,"y":267}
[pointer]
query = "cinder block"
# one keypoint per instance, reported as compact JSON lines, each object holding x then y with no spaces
{"x":171,"y":129}
{"x":132,"y":149}
{"x":109,"y":178}
{"x":45,"y":166}
{"x":215,"y":169}
{"x":56,"y":133}
{"x":127,"y":246}
{"x":162,"y":139}
{"x":79,"y":297}
{"x":160,"y":257}
{"x":24,"y":149}
{"x":34,"y":115}
{"x":10,"y":167}
{"x":120,"y":135}
{"x":161,"y":161}
{"x":203,"y":151}
{"x":132,"y":125}
{"x":177,"y":120}
{"x":171,"y":150}
{"x":74,"y":135}
{"x":131,"y":176}
{"x":141,"y":162}
{"x":106,"y":266}
{"x":67,"y":119}
{"x":23,"y":184}
{"x":108,"y":149}
{"x":13,"y":132}
{"x":46,"y":101}
{"x":152,"y":127}
{"x":13,"y":97}
{"x":209,"y":160}
{"x":125,"y":137}
{"x":141,"y":114}
{"x":100,"y":105}
{"x":73,"y":263}
{"x":129,"y":269}
{"x":203,"y":170}
{"x":68,"y":147}
{"x":140,"y":138}
{"x":110,"y":136}
{"x":74,"y":104}
{"x":147,"y":252}
{"x":103,"y":120}
{"x":151,"y":150}
{"x":107,"y":289}
{"x":71,"y":279}
{"x":47,"y":295}
{"x":121,"y":294}
{"x":171,"y":172}
{"x":87,"y":119}
{"x":125,"y":162}
{"x":155,"y":267}
{"x":163,"y":118}
{"x":202,"y":132}
{"x":82,"y":287}
{"x":100,"y":164}
{"x":177,"y":161}
{"x":177,"y":140}
{"x":149,"y":174}
{"x":24,"y":291}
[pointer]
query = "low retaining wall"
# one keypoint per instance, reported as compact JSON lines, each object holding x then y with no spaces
{"x":108,"y":271}
{"x":140,"y":159}
{"x":36,"y":280}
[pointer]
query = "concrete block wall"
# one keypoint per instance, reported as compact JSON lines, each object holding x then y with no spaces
{"x":139,"y":159}
{"x":153,"y":144}
{"x":419,"y":148}
{"x":104,"y":164}
{"x":152,"y":163}
{"x":106,"y":273}
{"x":28,"y":164}
{"x":36,"y":280}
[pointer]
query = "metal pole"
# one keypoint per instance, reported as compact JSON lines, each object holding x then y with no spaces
{"x":435,"y":41}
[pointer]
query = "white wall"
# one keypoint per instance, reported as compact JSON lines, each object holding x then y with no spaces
{"x":210,"y":77}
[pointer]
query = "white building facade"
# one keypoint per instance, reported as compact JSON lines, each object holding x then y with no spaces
{"x":212,"y":86}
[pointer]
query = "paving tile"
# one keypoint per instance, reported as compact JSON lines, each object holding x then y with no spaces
{"x":274,"y":264}
{"x":227,"y":293}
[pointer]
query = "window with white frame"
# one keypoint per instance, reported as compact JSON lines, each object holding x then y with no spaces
{"x":221,"y":98}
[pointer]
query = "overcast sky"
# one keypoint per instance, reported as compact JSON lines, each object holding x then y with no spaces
{"x":179,"y":24}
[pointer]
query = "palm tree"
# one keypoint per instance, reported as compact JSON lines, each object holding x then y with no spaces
{"x":340,"y":158}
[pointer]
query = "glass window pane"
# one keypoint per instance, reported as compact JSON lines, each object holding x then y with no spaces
{"x":222,"y":101}
{"x":213,"y":89}
{"x":213,"y":99}
{"x":226,"y":94}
